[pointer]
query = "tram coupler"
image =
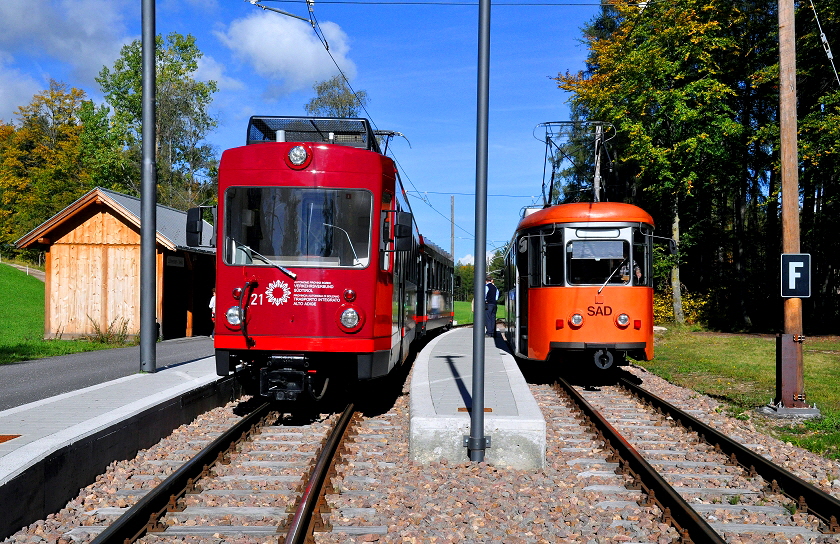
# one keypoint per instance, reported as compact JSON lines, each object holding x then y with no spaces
{"x":281,"y":384}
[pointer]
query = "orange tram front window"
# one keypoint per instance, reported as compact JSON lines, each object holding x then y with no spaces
{"x":594,"y":256}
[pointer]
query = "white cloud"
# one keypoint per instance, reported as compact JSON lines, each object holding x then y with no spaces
{"x":286,"y":51}
{"x":86,"y":34}
{"x":467,"y":259}
{"x":16,"y":89}
{"x":210,"y":69}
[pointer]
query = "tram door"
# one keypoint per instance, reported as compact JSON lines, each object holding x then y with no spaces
{"x":528,"y":273}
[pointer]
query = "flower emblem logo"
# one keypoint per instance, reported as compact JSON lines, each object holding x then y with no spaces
{"x":271,"y":295}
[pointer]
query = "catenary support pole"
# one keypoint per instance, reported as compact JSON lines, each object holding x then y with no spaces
{"x":790,"y":392}
{"x":477,"y":441}
{"x":148,"y":199}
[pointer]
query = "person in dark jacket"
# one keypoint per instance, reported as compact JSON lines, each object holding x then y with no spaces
{"x":491,"y":295}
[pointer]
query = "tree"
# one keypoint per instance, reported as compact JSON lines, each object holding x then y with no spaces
{"x":41,"y":170}
{"x":660,"y":75}
{"x":466,"y":273}
{"x":103,"y":158}
{"x":334,"y":98}
{"x":185,"y":163}
{"x":496,"y":268}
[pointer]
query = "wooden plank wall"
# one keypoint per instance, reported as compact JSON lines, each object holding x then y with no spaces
{"x":93,"y":274}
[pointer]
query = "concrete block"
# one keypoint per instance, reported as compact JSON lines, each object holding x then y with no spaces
{"x":517,"y":441}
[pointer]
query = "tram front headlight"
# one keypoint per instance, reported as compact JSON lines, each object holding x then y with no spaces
{"x":576,"y":320}
{"x":622,"y":320}
{"x":350,"y":318}
{"x":234,"y":316}
{"x":298,"y":155}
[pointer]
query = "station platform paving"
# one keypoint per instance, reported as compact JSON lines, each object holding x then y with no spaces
{"x":51,"y":448}
{"x":441,"y":397}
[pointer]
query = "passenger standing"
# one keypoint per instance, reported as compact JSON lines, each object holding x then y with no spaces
{"x":491,"y":295}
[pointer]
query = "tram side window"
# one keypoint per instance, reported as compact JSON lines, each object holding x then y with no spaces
{"x":553,"y":260}
{"x":598,"y":262}
{"x":642,"y":266}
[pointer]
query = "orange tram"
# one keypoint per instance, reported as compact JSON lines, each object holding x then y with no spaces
{"x":580,"y":278}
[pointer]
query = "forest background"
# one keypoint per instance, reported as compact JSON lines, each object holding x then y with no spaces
{"x":691,"y":87}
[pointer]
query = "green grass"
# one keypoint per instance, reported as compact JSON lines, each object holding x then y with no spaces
{"x":22,"y":330}
{"x":740,"y":370}
{"x":463,"y":312}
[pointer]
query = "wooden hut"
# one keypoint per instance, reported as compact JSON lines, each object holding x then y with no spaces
{"x":93,"y":269}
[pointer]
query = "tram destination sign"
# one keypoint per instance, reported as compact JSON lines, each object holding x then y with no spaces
{"x":796,"y":275}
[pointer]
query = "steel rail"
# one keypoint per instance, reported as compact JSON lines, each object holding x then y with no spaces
{"x":147,"y":512}
{"x":809,"y":498}
{"x":691,"y":526}
{"x":301,"y":521}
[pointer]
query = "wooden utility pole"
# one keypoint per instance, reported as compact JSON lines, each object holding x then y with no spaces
{"x":790,"y":388}
{"x":452,"y":225}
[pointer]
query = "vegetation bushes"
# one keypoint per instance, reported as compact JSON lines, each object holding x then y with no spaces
{"x":695,"y":307}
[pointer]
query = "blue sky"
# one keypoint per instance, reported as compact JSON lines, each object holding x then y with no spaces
{"x":418,"y":64}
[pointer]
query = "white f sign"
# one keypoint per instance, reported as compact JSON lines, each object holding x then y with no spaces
{"x":793,"y":266}
{"x":796,"y":275}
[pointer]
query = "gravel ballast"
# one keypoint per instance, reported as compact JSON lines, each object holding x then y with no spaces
{"x":380,"y":496}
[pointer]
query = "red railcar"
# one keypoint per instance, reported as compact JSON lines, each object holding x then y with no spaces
{"x":581,"y":277}
{"x":319,"y":269}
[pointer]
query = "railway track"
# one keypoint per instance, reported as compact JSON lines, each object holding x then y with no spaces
{"x":284,"y":468}
{"x":707,"y":486}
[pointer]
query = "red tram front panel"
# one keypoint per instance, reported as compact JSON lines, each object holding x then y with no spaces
{"x":310,"y":281}
{"x":268,"y":205}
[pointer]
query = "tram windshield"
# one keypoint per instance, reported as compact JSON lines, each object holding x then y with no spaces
{"x":296,"y":226}
{"x":595,"y":262}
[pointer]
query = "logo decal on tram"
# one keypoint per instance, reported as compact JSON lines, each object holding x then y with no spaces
{"x":599,"y":310}
{"x":272,"y":288}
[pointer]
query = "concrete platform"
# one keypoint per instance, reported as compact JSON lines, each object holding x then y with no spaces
{"x":51,"y":448}
{"x":441,"y":387}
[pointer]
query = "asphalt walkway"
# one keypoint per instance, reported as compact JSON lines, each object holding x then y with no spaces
{"x":30,"y":381}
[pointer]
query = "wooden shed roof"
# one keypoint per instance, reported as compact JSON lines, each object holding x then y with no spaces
{"x":171,"y":223}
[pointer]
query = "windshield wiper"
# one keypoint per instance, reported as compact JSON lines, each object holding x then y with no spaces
{"x":266,"y":260}
{"x":611,"y":275}
{"x":356,"y":260}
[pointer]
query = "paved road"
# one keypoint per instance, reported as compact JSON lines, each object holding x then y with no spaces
{"x":28,"y":381}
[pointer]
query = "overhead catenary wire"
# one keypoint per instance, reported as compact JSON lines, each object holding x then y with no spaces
{"x":452,"y":4}
{"x":319,"y":34}
{"x":471,"y":194}
{"x":824,"y":41}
